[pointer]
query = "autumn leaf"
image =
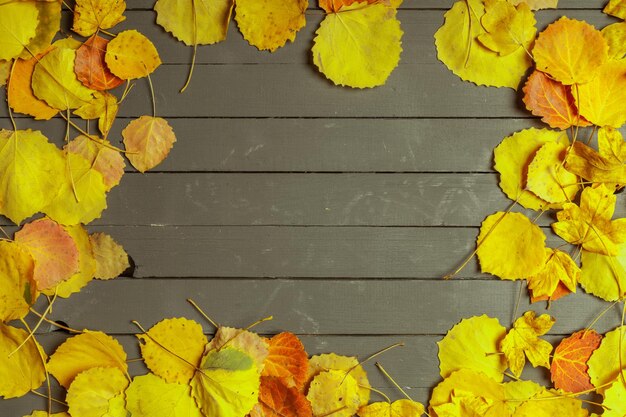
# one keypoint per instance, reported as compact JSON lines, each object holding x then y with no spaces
{"x":346,"y":53}
{"x":18,"y":289}
{"x":54,"y":251}
{"x":269,"y":24}
{"x":278,"y":400}
{"x":103,"y":107}
{"x":131,"y":55}
{"x":508,"y":28}
{"x":92,"y":15}
{"x":101,"y":156}
{"x":93,"y":392}
{"x":606,"y":362}
{"x":569,"y":364}
{"x":616,"y":8}
{"x":149,"y":396}
{"x":472,"y":344}
{"x":349,"y":365}
{"x":20,"y":93}
{"x":250,"y":343}
{"x":548,"y":179}
{"x":523,"y":341}
{"x":615,"y":35}
{"x":333,"y":6}
{"x":552,"y":101}
{"x":560,"y":292}
{"x":21,"y":370}
{"x":111,"y":258}
{"x":333,"y":393}
{"x":600,"y":100}
{"x":398,"y":408}
{"x":287,"y":360}
{"x":570,"y":51}
{"x":90,"y":67}
{"x":49,"y":23}
{"x":614,"y":403}
{"x":5,"y":69}
{"x":30,"y":168}
{"x":605,"y":276}
{"x":148,"y":141}
{"x":559,"y":268}
{"x":172,"y":349}
{"x":537,"y":4}
{"x":555,"y":404}
{"x":18,"y":25}
{"x":46,"y":414}
{"x":590,"y":224}
{"x":90,"y":349}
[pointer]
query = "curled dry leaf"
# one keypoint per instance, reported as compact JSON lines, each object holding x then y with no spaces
{"x":569,"y":364}
{"x":111,"y":258}
{"x":90,"y":67}
{"x":148,"y":141}
{"x":18,"y":25}
{"x":93,"y":393}
{"x":149,"y":396}
{"x":131,"y":55}
{"x":20,"y":93}
{"x":23,"y":370}
{"x":105,"y":160}
{"x":18,"y":289}
{"x":92,"y":15}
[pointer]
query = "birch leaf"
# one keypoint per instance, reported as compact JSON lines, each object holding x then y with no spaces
{"x":93,"y":392}
{"x":601,"y":100}
{"x":111,"y":258}
{"x":102,"y":158}
{"x":23,"y":371}
{"x":20,"y":92}
{"x":149,"y":396}
{"x":606,"y":362}
{"x":547,"y":177}
{"x":148,"y":141}
{"x":18,"y":25}
{"x":90,"y":67}
{"x":131,"y":55}
{"x":604,"y":276}
{"x":92,"y":15}
{"x":508,"y":28}
{"x":615,"y":35}
{"x":18,"y":289}
{"x":569,"y":365}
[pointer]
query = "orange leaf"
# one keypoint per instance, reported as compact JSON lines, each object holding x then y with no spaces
{"x":20,"y":92}
{"x":569,"y":366}
{"x":90,"y":67}
{"x":277,"y":400}
{"x":552,"y":100}
{"x":560,"y":292}
{"x":333,"y":6}
{"x":287,"y":360}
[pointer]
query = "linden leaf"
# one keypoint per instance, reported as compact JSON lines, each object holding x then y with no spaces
{"x":569,"y":364}
{"x":92,"y":15}
{"x":471,"y":345}
{"x":131,"y":55}
{"x":55,"y":82}
{"x":522,"y":342}
{"x":82,"y":196}
{"x":87,"y":350}
{"x":605,"y":363}
{"x":615,"y":400}
{"x":111,"y":258}
{"x":600,"y":101}
{"x":18,"y":25}
{"x":269,"y":24}
{"x":287,"y":360}
{"x":557,"y":404}
{"x":510,"y":246}
{"x":547,"y":178}
{"x":227,"y":383}
{"x":195,"y":22}
{"x":508,"y":28}
{"x":606,"y":166}
{"x":537,"y":4}
{"x":103,"y":107}
{"x":30,"y":168}
{"x":172,"y":349}
{"x":47,"y":27}
{"x":399,"y":408}
{"x":460,"y":50}
{"x":559,"y":268}
{"x":249,"y":343}
{"x":148,"y":141}
{"x":278,"y":400}
{"x":604,"y":276}
{"x":349,"y":365}
{"x":86,"y":264}
{"x":615,"y":35}
{"x":333,"y":393}
{"x":570,"y":51}
{"x":590,"y":224}
{"x":91,"y":392}
{"x":20,"y":93}
{"x":346,"y":53}
{"x":149,"y":396}
{"x":512,"y":157}
{"x":90,"y":67}
{"x":552,"y":101}
{"x":18,"y":289}
{"x":54,"y":251}
{"x":102,"y":158}
{"x":616,"y":8}
{"x":23,"y":370}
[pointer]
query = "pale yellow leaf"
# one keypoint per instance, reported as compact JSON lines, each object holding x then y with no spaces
{"x":91,"y":392}
{"x":23,"y":370}
{"x":131,"y":55}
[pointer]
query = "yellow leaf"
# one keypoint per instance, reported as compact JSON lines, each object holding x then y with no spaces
{"x":460,"y":50}
{"x":604,"y":276}
{"x":601,"y":100}
{"x":24,"y":370}
{"x":30,"y":168}
{"x":102,"y":158}
{"x":55,"y":82}
{"x":590,"y":224}
{"x":18,"y":25}
{"x":348,"y":364}
{"x":148,"y":141}
{"x":269,"y":24}
{"x":150,"y":396}
{"x":103,"y":107}
{"x":211,"y":20}
{"x":172,"y":349}
{"x":523,"y":342}
{"x":516,"y":392}
{"x":345,"y":51}
{"x":615,"y":400}
{"x":20,"y":93}
{"x":85,"y":351}
{"x":5,"y":69}
{"x":570,"y":51}
{"x":399,"y":408}
{"x":249,"y":343}
{"x":510,"y":246}
{"x":18,"y":289}
{"x":508,"y":28}
{"x":559,"y":268}
{"x":111,"y":258}
{"x":605,"y":363}
{"x":616,"y":8}
{"x":472,"y":344}
{"x":334,"y":394}
{"x":227,"y":383}
{"x":91,"y":15}
{"x":537,"y":4}
{"x":45,"y":414}
{"x":512,"y":157}
{"x":557,"y":404}
{"x":548,"y":179}
{"x":91,"y":392}
{"x":82,"y":197}
{"x":48,"y":25}
{"x":615,"y":35}
{"x":131,"y":55}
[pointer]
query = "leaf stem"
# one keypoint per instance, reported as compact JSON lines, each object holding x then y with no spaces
{"x":32,"y":333}
{"x":209,"y":319}
{"x":195,"y":45}
{"x":152,"y":96}
{"x":380,"y":367}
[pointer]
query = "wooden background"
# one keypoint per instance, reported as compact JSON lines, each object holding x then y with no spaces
{"x":335,"y":210}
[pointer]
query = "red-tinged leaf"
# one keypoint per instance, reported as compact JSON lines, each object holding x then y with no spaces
{"x":277,"y":400}
{"x":333,"y":6}
{"x":553,"y":101}
{"x":148,"y":141}
{"x":560,"y":292}
{"x":287,"y":360}
{"x":569,"y":366}
{"x":90,"y":67}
